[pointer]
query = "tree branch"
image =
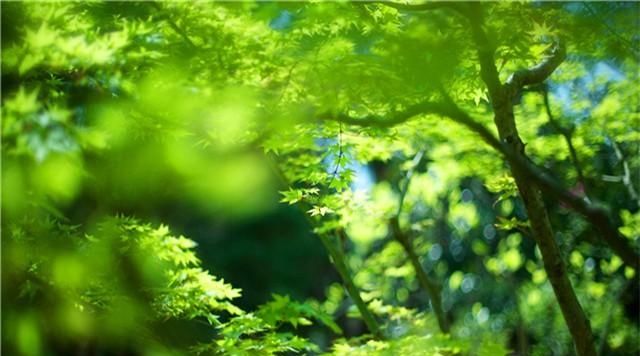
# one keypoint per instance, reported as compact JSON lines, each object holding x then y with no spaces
{"x":530,"y":192}
{"x":431,"y":5}
{"x":339,"y":262}
{"x":540,"y":72}
{"x":593,"y":212}
{"x":566,"y":133}
{"x":626,"y":178}
{"x":334,"y":174}
{"x":430,"y":287}
{"x":403,"y":192}
{"x":485,"y":49}
{"x":175,"y":26}
{"x":422,"y":108}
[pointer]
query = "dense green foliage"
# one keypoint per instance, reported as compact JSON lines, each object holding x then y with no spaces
{"x":394,"y":140}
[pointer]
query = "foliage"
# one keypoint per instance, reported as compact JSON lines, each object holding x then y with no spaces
{"x":379,"y":122}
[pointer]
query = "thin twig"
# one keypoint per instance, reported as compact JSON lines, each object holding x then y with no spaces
{"x":430,"y":287}
{"x":338,"y":260}
{"x":340,"y":154}
{"x":414,"y":164}
{"x":626,"y":178}
{"x":287,"y":82}
{"x":430,"y":5}
{"x":175,"y":26}
{"x":594,"y":212}
{"x":567,"y":135}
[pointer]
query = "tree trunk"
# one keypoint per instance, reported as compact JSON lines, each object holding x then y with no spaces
{"x":574,"y":316}
{"x":502,"y":102}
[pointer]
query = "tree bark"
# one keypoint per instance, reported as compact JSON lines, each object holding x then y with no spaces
{"x":501,"y":100}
